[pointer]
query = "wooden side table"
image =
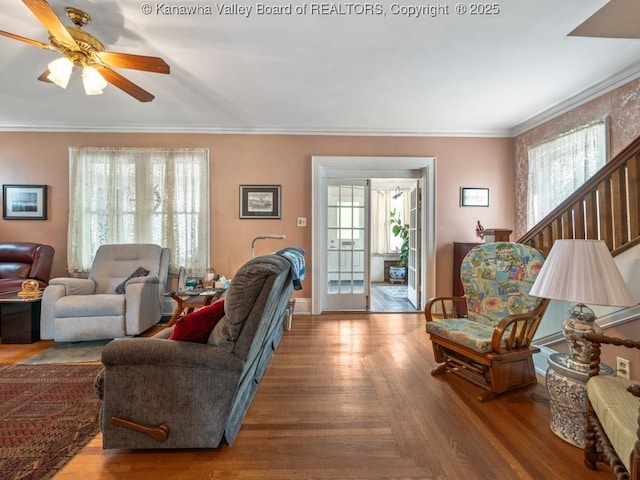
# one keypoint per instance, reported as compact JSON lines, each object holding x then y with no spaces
{"x":568,"y":399}
{"x":188,"y":303}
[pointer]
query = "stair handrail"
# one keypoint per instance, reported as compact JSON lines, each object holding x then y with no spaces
{"x":606,"y":207}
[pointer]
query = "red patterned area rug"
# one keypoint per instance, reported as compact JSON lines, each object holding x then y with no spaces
{"x":48,"y":413}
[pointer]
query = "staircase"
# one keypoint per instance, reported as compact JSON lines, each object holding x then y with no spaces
{"x":607,"y":207}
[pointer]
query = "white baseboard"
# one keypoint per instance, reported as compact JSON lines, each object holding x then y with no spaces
{"x":303,"y":306}
{"x":541,"y":360}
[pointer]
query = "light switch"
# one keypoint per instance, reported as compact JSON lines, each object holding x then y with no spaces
{"x":302,"y":221}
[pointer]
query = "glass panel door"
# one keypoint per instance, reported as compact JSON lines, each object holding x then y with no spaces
{"x":413,"y":263}
{"x":347,"y":274}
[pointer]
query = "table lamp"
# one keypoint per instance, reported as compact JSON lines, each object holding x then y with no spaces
{"x":581,"y":272}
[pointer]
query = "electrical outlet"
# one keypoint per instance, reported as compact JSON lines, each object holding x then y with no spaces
{"x":623,"y":367}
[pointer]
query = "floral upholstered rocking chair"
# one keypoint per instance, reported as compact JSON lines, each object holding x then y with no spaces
{"x":491,"y":346}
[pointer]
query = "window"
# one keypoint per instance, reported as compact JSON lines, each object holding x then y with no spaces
{"x":560,"y":166}
{"x":139,"y":195}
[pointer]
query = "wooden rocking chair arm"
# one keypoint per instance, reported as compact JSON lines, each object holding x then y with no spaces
{"x":522,"y":332}
{"x":428,"y":313}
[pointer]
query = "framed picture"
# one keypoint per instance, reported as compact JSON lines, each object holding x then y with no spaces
{"x":259,"y":201}
{"x":474,"y":197}
{"x":24,"y":202}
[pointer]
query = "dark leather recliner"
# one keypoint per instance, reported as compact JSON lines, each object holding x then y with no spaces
{"x":20,"y":261}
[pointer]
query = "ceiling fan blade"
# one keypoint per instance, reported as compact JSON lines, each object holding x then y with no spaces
{"x":26,"y":40}
{"x":617,"y":19}
{"x":135,"y":62}
{"x":44,"y":76}
{"x":125,"y":85}
{"x":43,"y":11}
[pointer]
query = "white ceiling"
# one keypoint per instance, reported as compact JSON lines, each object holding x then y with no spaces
{"x":388,"y":74}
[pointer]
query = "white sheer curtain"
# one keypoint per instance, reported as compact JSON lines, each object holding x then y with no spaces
{"x":559,"y":166}
{"x":382,"y":239}
{"x":139,"y":195}
{"x":380,"y":209}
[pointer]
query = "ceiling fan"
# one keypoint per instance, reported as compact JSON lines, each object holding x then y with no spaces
{"x":616,"y":19}
{"x":81,"y":49}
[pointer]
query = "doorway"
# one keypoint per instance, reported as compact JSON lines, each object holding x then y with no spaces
{"x":333,"y":264}
{"x":395,"y":257}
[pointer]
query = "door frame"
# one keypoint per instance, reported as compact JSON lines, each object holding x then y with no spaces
{"x":335,"y":167}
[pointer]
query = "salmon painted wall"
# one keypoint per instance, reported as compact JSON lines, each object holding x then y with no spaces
{"x":42,"y":158}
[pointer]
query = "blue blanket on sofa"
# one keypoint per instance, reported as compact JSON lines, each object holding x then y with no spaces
{"x":295,"y":255}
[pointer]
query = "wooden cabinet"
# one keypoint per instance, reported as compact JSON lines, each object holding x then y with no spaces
{"x":460,"y":250}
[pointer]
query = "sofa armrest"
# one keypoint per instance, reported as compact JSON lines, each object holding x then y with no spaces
{"x":184,"y":388}
{"x":75,"y":286}
{"x":168,"y":353}
{"x":58,"y":288}
{"x":42,"y":262}
{"x":150,"y":279}
{"x":143,"y":303}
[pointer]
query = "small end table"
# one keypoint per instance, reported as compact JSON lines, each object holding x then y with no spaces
{"x":187,"y":303}
{"x":568,"y":399}
{"x":19,"y":318}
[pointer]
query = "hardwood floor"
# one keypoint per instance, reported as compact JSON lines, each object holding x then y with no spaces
{"x":350,"y":396}
{"x":385,"y":297}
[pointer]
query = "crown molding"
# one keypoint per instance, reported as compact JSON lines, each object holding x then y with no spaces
{"x":609,"y":84}
{"x":202,"y":129}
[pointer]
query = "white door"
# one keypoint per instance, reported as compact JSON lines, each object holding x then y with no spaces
{"x":413,"y":262}
{"x":347,"y":233}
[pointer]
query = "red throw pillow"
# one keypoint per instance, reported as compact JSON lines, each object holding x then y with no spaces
{"x":196,"y":326}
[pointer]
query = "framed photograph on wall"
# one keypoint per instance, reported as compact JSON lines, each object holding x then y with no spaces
{"x":259,"y":201}
{"x":474,"y":197}
{"x":24,"y":202}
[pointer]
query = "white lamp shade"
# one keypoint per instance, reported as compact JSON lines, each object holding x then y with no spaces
{"x":93,"y":82}
{"x":60,"y":71}
{"x":582,"y":271}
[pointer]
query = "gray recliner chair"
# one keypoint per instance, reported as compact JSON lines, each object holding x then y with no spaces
{"x":123,"y":295}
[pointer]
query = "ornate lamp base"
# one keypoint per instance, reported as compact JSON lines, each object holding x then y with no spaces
{"x":581,"y":320}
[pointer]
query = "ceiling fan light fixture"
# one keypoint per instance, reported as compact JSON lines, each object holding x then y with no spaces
{"x":60,"y":71}
{"x":93,"y":82}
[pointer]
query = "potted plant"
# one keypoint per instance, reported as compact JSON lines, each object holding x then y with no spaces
{"x":400,"y":230}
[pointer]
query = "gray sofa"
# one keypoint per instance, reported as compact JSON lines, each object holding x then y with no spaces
{"x":162,"y":393}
